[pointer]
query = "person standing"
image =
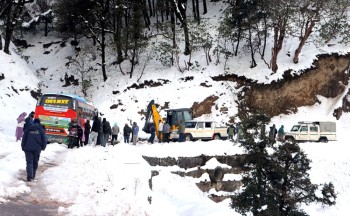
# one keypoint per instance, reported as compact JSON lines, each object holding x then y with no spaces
{"x":87,"y":130}
{"x":126,"y":132}
{"x":166,"y":132}
{"x":280,"y":134}
{"x":100,"y":136}
{"x":152,"y":129}
{"x":20,"y":125}
{"x":73,"y":136}
{"x":28,"y":121}
{"x":34,"y":141}
{"x":181,"y":129}
{"x":160,"y":131}
{"x":231,"y":132}
{"x":115,"y":132}
{"x":135,"y":133}
{"x":106,"y":129}
{"x":272,"y":133}
{"x":94,"y":130}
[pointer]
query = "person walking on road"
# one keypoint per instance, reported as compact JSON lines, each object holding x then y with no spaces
{"x":34,"y":141}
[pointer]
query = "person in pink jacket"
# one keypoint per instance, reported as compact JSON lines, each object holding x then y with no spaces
{"x":20,"y":124}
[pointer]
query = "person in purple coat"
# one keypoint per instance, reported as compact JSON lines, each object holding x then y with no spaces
{"x":20,"y":124}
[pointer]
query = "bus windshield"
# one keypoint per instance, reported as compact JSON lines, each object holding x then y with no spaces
{"x":56,"y":103}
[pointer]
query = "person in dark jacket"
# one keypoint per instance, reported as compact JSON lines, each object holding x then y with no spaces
{"x":33,"y":142}
{"x":231,"y":132}
{"x":74,"y":132}
{"x":152,"y":129}
{"x":28,"y":121}
{"x":96,"y":125}
{"x":126,"y":132}
{"x":87,"y":129}
{"x":107,"y":131}
{"x":272,"y":133}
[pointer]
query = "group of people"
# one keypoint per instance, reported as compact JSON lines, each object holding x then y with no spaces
{"x":232,"y":131}
{"x":273,"y":132}
{"x":101,"y":132}
{"x":33,"y":140}
{"x":133,"y":131}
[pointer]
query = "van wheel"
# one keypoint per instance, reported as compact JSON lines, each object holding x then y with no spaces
{"x":188,"y":137}
{"x":216,"y":137}
{"x":323,"y":140}
{"x":290,"y":139}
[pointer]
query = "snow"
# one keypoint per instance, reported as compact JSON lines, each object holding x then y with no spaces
{"x":115,"y":180}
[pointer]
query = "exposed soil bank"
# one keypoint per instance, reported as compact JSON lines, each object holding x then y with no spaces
{"x":328,"y":77}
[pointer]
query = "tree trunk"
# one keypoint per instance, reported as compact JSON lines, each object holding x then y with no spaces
{"x":238,"y":40}
{"x":303,"y":38}
{"x":279,"y":32}
{"x":197,"y":11}
{"x":205,"y":10}
{"x":150,"y":8}
{"x":8,"y":28}
{"x":118,"y":34}
{"x":0,"y":42}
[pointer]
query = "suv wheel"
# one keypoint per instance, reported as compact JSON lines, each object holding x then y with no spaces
{"x":188,"y":137}
{"x":216,"y":137}
{"x":323,"y":140}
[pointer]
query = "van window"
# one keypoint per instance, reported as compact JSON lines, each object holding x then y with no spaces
{"x":208,"y":124}
{"x":200,"y":124}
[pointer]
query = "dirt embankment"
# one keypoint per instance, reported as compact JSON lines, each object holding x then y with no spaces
{"x":327,"y":78}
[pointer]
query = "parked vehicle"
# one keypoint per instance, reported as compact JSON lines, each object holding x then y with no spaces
{"x":312,"y":131}
{"x":202,"y":130}
{"x":173,"y":117}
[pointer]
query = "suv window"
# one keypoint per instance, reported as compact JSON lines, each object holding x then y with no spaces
{"x":295,"y":128}
{"x":313,"y":129}
{"x":303,"y":129}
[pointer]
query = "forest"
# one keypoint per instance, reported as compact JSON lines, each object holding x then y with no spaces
{"x":128,"y":27}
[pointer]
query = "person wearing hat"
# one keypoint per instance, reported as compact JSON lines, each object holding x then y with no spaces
{"x":28,"y":121}
{"x":33,"y":142}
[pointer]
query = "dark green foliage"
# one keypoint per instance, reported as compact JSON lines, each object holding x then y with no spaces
{"x":278,"y":180}
{"x":69,"y":16}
